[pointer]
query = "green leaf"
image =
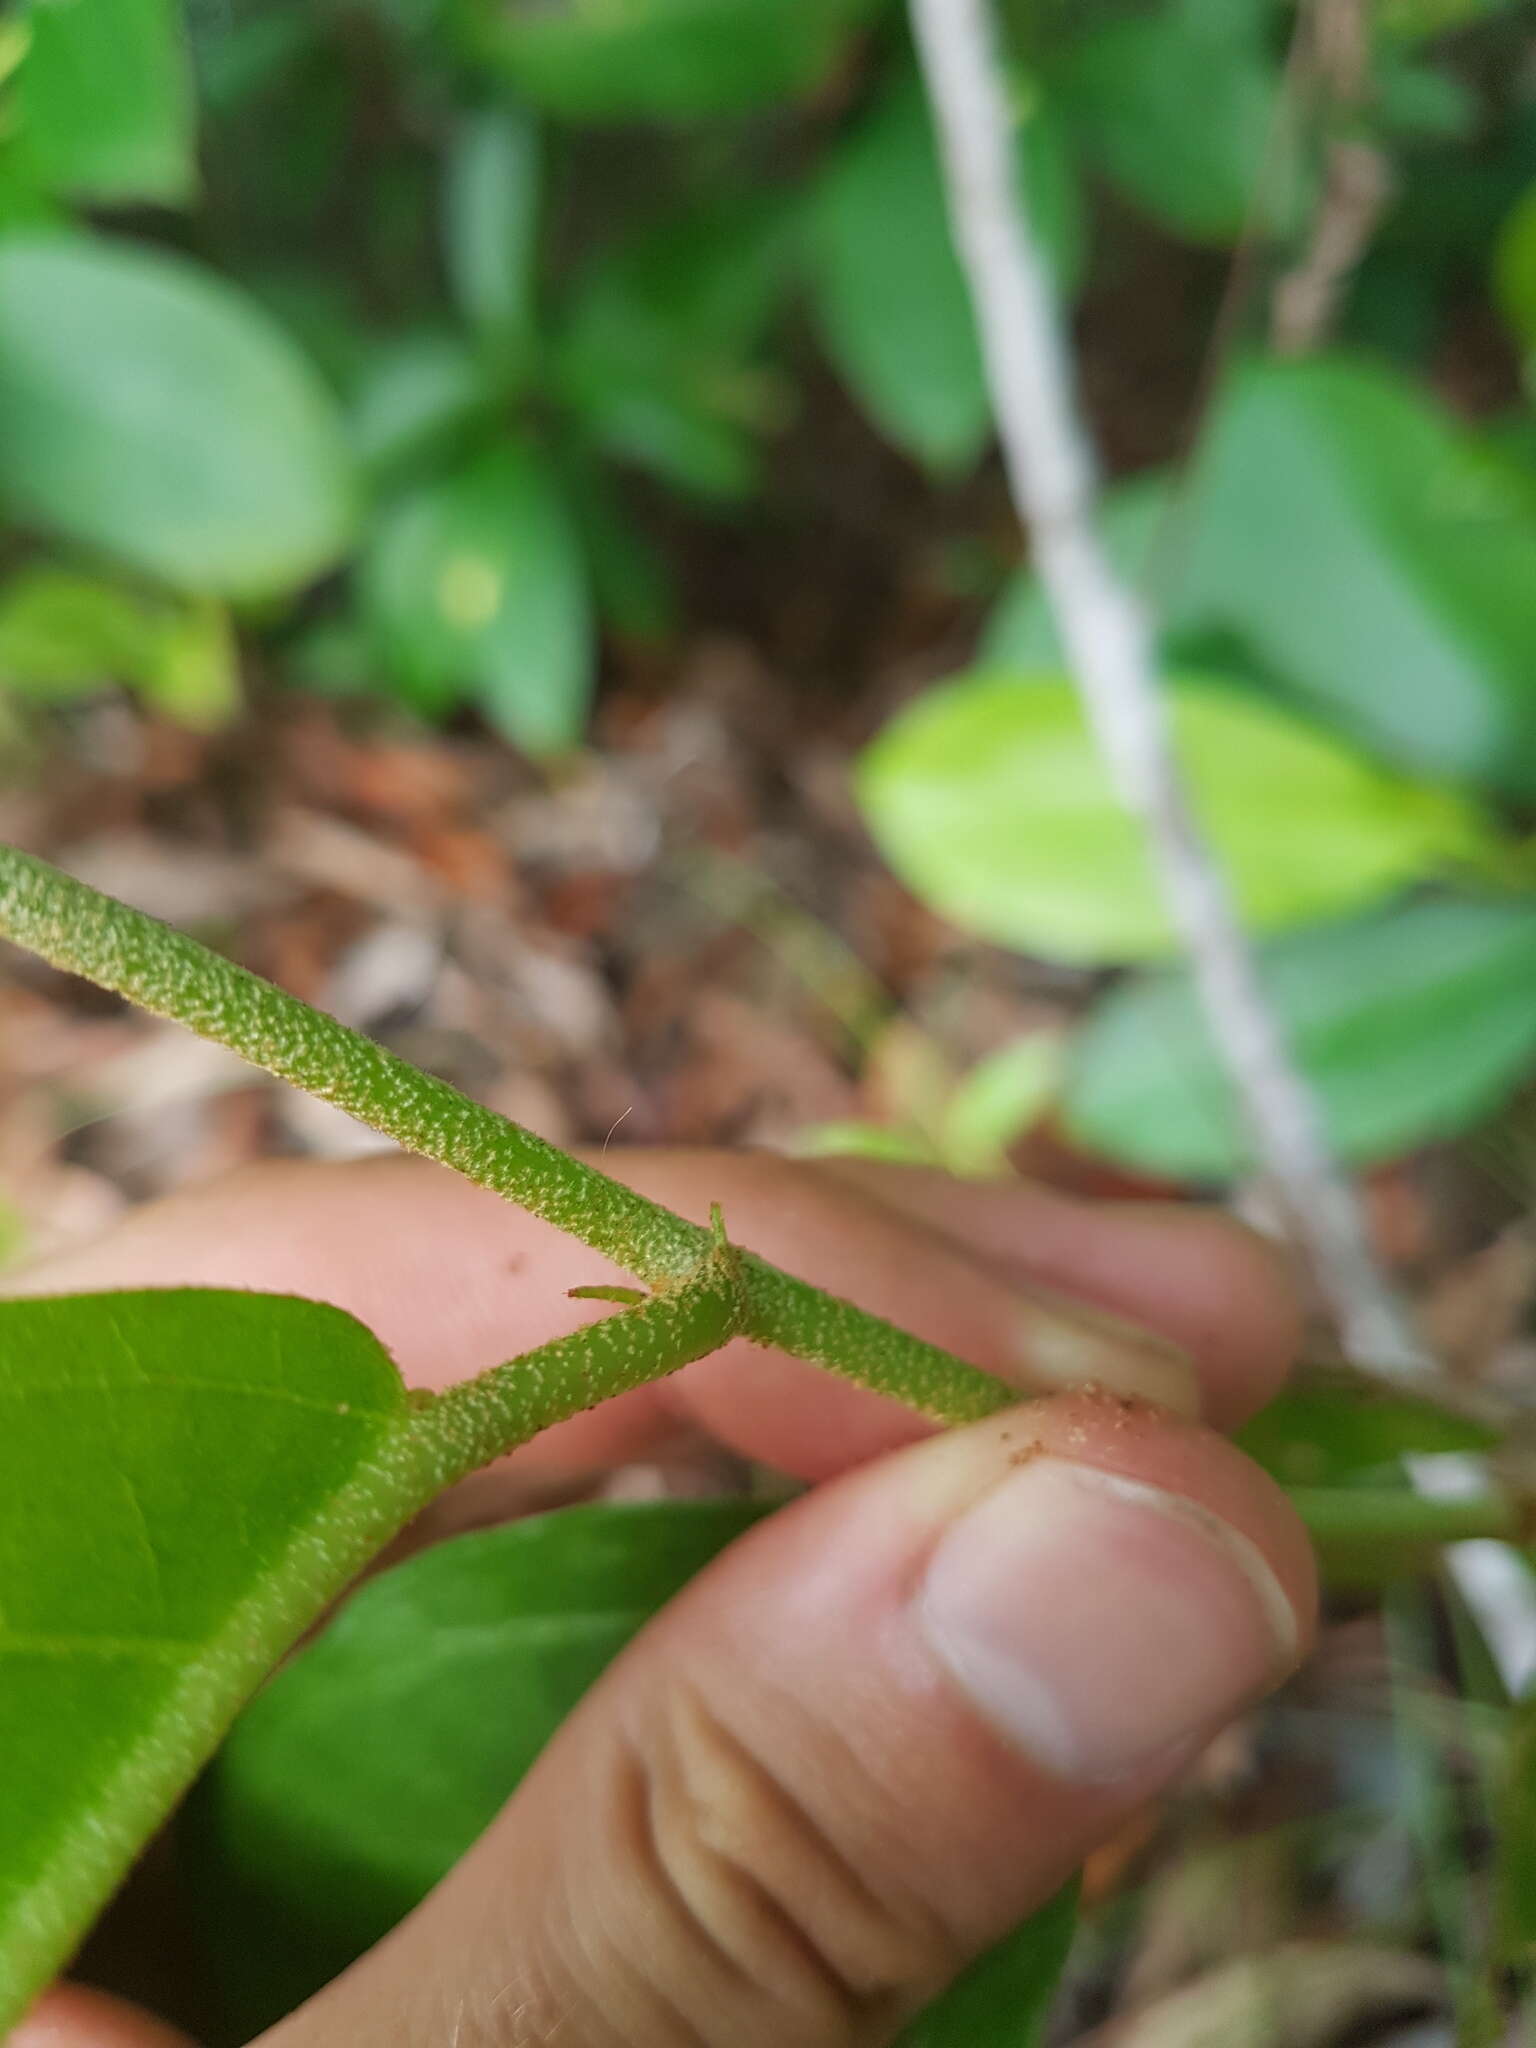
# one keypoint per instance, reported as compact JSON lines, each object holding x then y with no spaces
{"x":418,"y":396}
{"x":1004,"y":2000}
{"x":185,"y":1478}
{"x":998,"y":1101}
{"x":657,"y":351}
{"x":104,"y":104}
{"x":1333,"y":1428}
{"x":474,"y":587}
{"x":992,"y":801}
{"x":1411,"y":1024}
{"x":888,"y":293}
{"x":491,"y":208}
{"x":195,"y":678}
{"x":152,"y":411}
{"x":669,"y":60}
{"x":851,"y":1138}
{"x":1514,"y":271}
{"x":1377,"y":559}
{"x":64,"y":634}
{"x":320,"y":1826}
{"x":1177,"y":107}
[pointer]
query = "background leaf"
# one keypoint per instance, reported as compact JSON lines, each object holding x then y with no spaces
{"x":185,"y":1477}
{"x":474,"y":585}
{"x":1000,"y":1098}
{"x":491,"y":207}
{"x":990,"y":798}
{"x":64,"y":634}
{"x":1383,"y":570}
{"x":198,"y":447}
{"x":103,"y":100}
{"x":1412,"y":1024}
{"x":1004,"y":2000}
{"x":1177,"y":106}
{"x":318,"y":1824}
{"x":659,"y":59}
{"x":1328,"y":1429}
{"x":657,"y":352}
{"x":889,"y":296}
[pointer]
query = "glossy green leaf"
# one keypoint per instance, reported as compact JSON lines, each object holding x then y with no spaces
{"x":154,"y":412}
{"x":185,"y":1478}
{"x":1376,"y":558}
{"x":475,"y":588}
{"x":1412,"y":1024}
{"x":103,"y":100}
{"x":1177,"y":106}
{"x":319,"y":1825}
{"x":491,"y":223}
{"x":1330,"y":1428}
{"x":889,"y":296}
{"x":659,"y":59}
{"x":992,"y":801}
{"x":1004,"y":2000}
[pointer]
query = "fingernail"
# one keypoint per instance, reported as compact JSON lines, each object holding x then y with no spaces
{"x":1101,"y":1623}
{"x":1066,"y":1345}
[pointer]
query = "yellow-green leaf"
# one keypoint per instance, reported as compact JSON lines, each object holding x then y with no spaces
{"x":992,"y":801}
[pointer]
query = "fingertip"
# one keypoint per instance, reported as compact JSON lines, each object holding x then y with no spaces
{"x":1192,"y":1461}
{"x":1220,"y":1290}
{"x":73,"y":2017}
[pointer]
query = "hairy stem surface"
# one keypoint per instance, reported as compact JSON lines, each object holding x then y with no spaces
{"x":164,"y":971}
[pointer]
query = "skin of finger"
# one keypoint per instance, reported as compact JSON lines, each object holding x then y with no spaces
{"x":1223,"y":1291}
{"x":867,"y":1830}
{"x":453,"y":1280}
{"x":73,"y":2017}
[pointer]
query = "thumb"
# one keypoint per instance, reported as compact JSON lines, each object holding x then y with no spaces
{"x":877,"y":1733}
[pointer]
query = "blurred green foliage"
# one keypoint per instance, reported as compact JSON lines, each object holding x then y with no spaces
{"x":365,"y":338}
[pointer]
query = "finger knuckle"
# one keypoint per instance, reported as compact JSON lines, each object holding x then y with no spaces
{"x":817,"y":1948}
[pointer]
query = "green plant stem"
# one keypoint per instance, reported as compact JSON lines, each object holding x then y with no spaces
{"x":484,"y":1418}
{"x":87,"y":933}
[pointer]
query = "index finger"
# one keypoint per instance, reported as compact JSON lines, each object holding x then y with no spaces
{"x":453,"y":1280}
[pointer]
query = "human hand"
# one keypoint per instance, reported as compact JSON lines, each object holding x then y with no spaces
{"x":891,"y":1721}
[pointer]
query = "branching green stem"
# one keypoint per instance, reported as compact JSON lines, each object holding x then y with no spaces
{"x":484,"y":1418}
{"x":87,"y":933}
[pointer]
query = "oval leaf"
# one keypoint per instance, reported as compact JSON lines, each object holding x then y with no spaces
{"x":1376,"y":558}
{"x":185,"y":1478}
{"x":475,"y":586}
{"x":660,"y":59}
{"x":152,"y":411}
{"x":888,"y":290}
{"x":319,"y":1825}
{"x":1411,"y":1025}
{"x":104,"y":107}
{"x":990,"y":798}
